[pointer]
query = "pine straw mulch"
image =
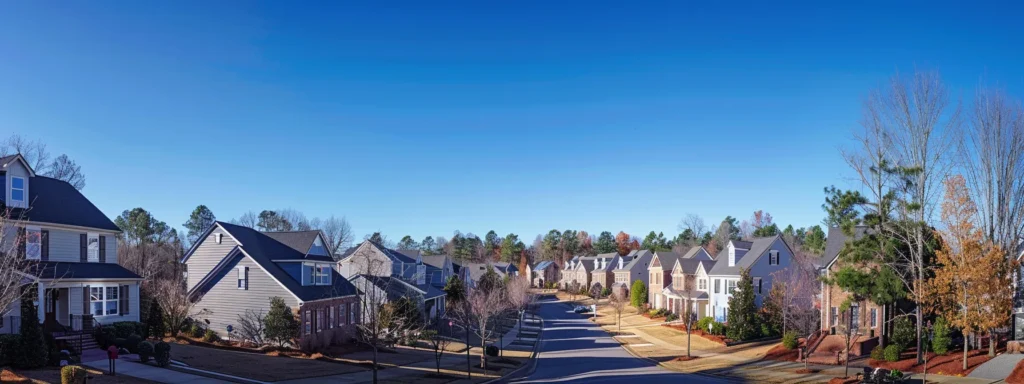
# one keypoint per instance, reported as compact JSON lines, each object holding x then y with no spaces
{"x":1017,"y":375}
{"x":686,"y":358}
{"x":950,"y":364}
{"x":780,"y":353}
{"x":7,"y":376}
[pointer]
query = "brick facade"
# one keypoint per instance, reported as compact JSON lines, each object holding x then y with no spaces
{"x":339,"y":315}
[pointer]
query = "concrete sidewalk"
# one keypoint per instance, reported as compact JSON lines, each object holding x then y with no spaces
{"x":149,"y":372}
{"x":997,"y":368}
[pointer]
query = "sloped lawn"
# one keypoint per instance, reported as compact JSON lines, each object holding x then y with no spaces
{"x":256,"y":366}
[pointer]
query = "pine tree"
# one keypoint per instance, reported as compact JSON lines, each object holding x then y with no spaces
{"x":33,"y":345}
{"x":281,"y":325}
{"x":156,"y":320}
{"x":743,"y":319}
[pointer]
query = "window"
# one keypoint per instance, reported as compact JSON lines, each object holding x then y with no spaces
{"x":330,"y":317}
{"x":94,"y":248}
{"x":874,"y":317}
{"x":319,"y":319}
{"x":104,"y":300}
{"x":773,"y":257}
{"x":702,"y":284}
{"x":757,"y":285}
{"x":18,"y":189}
{"x":730,"y":286}
{"x":834,"y":316}
{"x":322,"y":275}
{"x":341,"y":314}
{"x":718,"y":286}
{"x":33,"y":244}
{"x":307,"y":320}
{"x":243,"y":277}
{"x":352,"y":313}
{"x":218,"y":237}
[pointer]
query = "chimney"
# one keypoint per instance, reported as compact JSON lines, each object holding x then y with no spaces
{"x":732,"y":255}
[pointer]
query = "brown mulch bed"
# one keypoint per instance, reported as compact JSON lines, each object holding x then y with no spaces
{"x":11,"y":377}
{"x":1017,"y":375}
{"x":950,"y":364}
{"x":686,"y":358}
{"x":805,"y":371}
{"x":696,"y":332}
{"x":843,"y":380}
{"x":270,"y":368}
{"x":780,"y":353}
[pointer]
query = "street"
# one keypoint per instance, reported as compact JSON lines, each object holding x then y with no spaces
{"x":573,"y":349}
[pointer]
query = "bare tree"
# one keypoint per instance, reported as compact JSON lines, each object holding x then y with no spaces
{"x":15,"y":271}
{"x":380,"y":324}
{"x":618,"y":302}
{"x":438,"y":343}
{"x":248,"y":220}
{"x":794,"y":291}
{"x":694,"y":223}
{"x":688,"y":292}
{"x":482,"y":308}
{"x":519,"y":296}
{"x":338,"y":232}
{"x":174,"y":301}
{"x":34,"y":152}
{"x":63,"y":168}
{"x":251,"y":326}
{"x":297,"y":219}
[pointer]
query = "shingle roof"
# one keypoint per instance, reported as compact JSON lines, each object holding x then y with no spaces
{"x":638,"y":257}
{"x":300,"y":241}
{"x":396,"y":288}
{"x":69,"y":271}
{"x":836,"y":241}
{"x":410,"y":253}
{"x":666,"y":258}
{"x":436,"y":260}
{"x":756,"y":247}
{"x":543,"y":265}
{"x":264,"y":249}
{"x":55,"y":201}
{"x":691,"y":253}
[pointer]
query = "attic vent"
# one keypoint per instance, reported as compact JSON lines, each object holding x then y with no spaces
{"x":219,"y":237}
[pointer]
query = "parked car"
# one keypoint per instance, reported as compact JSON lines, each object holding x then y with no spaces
{"x":581,"y":309}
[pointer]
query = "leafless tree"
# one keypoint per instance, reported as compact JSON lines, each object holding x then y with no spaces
{"x":618,"y":302}
{"x":846,"y":328}
{"x":794,"y":291}
{"x":438,"y":343}
{"x":694,"y":223}
{"x":688,"y":292}
{"x":297,"y":219}
{"x":379,"y":324}
{"x":174,"y":301}
{"x":15,"y":271}
{"x":34,"y":152}
{"x":63,"y":168}
{"x":482,"y":309}
{"x":337,"y":230}
{"x":519,"y":296}
{"x":251,"y":326}
{"x":248,"y":220}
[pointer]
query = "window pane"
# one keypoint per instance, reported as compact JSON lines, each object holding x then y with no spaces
{"x":95,"y":293}
{"x":97,"y":308}
{"x":18,"y":182}
{"x":112,"y":293}
{"x":17,"y":194}
{"x":112,"y":307}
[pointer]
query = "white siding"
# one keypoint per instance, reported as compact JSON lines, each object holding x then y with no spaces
{"x":65,"y":246}
{"x":207,"y":255}
{"x":75,"y":295}
{"x":13,"y":310}
{"x":16,"y":169}
{"x":224,"y":302}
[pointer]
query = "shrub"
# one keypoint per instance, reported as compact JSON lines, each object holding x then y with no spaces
{"x":124,"y":329}
{"x":32,"y":351}
{"x":162,"y":353}
{"x":703,"y":323}
{"x":717,"y":328}
{"x":9,"y":345}
{"x":892,"y":353}
{"x":132,"y":342}
{"x":671,"y":317}
{"x":210,"y":336}
{"x":789,"y":340}
{"x":145,"y":351}
{"x":72,"y":374}
{"x":492,"y":350}
{"x":606,"y":292}
{"x":281,"y":325}
{"x":941,"y":340}
{"x":105,"y":336}
{"x":156,"y":320}
{"x":878,"y":353}
{"x":196,"y":330}
{"x":638,"y":294}
{"x":903,"y":333}
{"x":120,"y":342}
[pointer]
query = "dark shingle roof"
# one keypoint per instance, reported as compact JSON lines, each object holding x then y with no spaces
{"x":264,"y":249}
{"x":300,"y":241}
{"x":836,"y":241}
{"x":69,"y":271}
{"x":756,"y":247}
{"x":435,"y":260}
{"x":55,"y":201}
{"x":396,"y":288}
{"x":667,"y":259}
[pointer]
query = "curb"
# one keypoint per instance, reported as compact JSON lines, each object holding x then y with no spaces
{"x":532,"y":364}
{"x":659,"y":365}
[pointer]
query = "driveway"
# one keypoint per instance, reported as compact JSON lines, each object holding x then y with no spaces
{"x":573,"y":349}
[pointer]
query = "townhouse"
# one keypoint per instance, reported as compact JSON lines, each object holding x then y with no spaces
{"x":632,"y":267}
{"x":389,"y":274}
{"x":760,"y":256}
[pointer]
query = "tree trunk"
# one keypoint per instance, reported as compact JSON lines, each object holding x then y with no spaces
{"x":483,"y":349}
{"x":469,"y":364}
{"x":991,"y":343}
{"x":965,"y":353}
{"x":375,"y":364}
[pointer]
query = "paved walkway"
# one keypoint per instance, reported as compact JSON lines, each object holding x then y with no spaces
{"x":998,"y":368}
{"x":149,"y":372}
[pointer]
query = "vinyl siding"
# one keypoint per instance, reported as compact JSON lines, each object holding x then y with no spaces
{"x":16,"y":169}
{"x":65,"y":246}
{"x":75,"y":295}
{"x":207,"y":255}
{"x":13,"y":310}
{"x":224,"y":302}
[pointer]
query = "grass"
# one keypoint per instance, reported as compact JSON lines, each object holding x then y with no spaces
{"x":270,"y":368}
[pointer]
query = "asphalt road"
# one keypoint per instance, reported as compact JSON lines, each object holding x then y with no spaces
{"x":573,"y":349}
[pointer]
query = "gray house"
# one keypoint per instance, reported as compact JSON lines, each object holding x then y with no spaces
{"x":632,"y":267}
{"x":233,"y":269}
{"x":371,"y":266}
{"x":71,"y":248}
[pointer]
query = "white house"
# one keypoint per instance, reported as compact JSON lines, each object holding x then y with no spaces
{"x":761,"y":256}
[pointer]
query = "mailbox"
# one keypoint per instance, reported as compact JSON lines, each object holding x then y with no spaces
{"x":112,"y":352}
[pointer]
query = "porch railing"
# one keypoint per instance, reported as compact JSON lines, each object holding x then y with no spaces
{"x":10,"y":324}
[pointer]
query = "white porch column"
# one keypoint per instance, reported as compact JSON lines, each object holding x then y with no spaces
{"x":41,"y":308}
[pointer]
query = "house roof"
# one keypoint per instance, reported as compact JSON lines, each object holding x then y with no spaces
{"x":410,"y":253}
{"x":396,"y":288}
{"x":300,"y":241}
{"x":264,"y":250}
{"x":756,"y":248}
{"x":637,"y":257}
{"x":666,"y":258}
{"x":836,"y":241}
{"x":692,"y":252}
{"x":436,"y":260}
{"x":692,"y":294}
{"x":57,"y":202}
{"x":689,"y":266}
{"x":544,"y":265}
{"x":48,"y":270}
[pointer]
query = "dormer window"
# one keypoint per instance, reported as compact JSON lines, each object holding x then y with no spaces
{"x":318,"y":247}
{"x":18,"y":190}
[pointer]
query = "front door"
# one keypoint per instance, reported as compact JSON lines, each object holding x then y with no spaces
{"x":50,"y":310}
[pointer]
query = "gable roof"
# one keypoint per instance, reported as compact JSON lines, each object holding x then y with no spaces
{"x":436,"y":260}
{"x":264,"y":250}
{"x":7,"y":160}
{"x":57,"y":202}
{"x":836,"y":241}
{"x":637,"y":257}
{"x":544,"y":265}
{"x":693,"y":252}
{"x":300,"y":241}
{"x":756,"y":248}
{"x":396,"y":288}
{"x":689,"y":266}
{"x":667,"y":259}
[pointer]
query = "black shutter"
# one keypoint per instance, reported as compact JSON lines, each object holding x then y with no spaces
{"x":103,"y":249}
{"x":45,"y":251}
{"x":22,"y":239}
{"x":86,"y":310}
{"x":83,"y":242}
{"x":123,"y":305}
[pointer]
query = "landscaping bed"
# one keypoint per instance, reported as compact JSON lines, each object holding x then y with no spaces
{"x":1017,"y":375}
{"x":780,"y":353}
{"x":950,"y":364}
{"x":52,"y":375}
{"x":718,"y":339}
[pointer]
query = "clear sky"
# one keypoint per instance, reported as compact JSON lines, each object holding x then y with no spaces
{"x":425,"y":117}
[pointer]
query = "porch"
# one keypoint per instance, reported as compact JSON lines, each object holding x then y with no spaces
{"x":68,"y":308}
{"x":678,"y":302}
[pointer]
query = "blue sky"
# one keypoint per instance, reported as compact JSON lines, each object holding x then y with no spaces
{"x":426,"y":117}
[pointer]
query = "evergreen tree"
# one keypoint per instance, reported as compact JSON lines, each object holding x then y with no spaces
{"x":814,"y":240}
{"x":511,"y":248}
{"x":271,"y":221}
{"x":280,"y":326}
{"x":489,"y":281}
{"x":638,"y":294}
{"x":156,"y":320}
{"x":407,"y":243}
{"x":33,"y":345}
{"x":743,"y":319}
{"x":429,"y":247}
{"x":200,"y":219}
{"x":455,"y":290}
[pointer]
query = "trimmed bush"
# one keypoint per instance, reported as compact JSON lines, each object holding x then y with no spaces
{"x":492,"y":350}
{"x":162,"y":354}
{"x":9,"y":345}
{"x":903,"y":333}
{"x":790,"y":341}
{"x":703,"y":323}
{"x":210,"y":336}
{"x":145,"y":351}
{"x":878,"y":353}
{"x":717,"y":328}
{"x":671,"y":317}
{"x":73,"y":374}
{"x":105,"y":336}
{"x":196,"y":331}
{"x":32,"y":352}
{"x":155,"y":322}
{"x":123,"y":329}
{"x":638,"y":294}
{"x":941,"y":340}
{"x":132,"y":343}
{"x":120,"y":342}
{"x":892,"y":353}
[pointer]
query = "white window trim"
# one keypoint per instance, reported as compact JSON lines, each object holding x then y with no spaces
{"x":219,"y":237}
{"x":23,"y":189}
{"x":242,"y":278}
{"x":105,"y":300}
{"x":88,"y":247}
